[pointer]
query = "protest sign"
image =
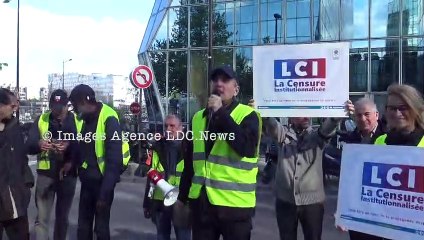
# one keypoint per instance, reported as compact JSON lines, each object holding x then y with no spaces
{"x":305,"y":80}
{"x":381,"y":191}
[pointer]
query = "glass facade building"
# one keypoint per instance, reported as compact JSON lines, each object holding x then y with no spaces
{"x":386,"y":44}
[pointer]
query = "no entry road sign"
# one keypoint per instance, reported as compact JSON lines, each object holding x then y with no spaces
{"x":142,"y":77}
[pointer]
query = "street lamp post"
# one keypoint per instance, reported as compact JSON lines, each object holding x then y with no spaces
{"x":17,"y":55}
{"x":210,"y":39}
{"x":63,"y":72}
{"x":276,"y":16}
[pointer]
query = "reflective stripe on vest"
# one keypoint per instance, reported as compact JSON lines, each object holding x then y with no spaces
{"x":173,"y":180}
{"x":230,"y":179}
{"x":105,"y":113}
{"x":381,"y":140}
{"x":43,"y":128}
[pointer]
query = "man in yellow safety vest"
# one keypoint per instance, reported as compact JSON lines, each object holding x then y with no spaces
{"x":50,"y":137}
{"x":168,"y":161}
{"x":221,"y":167}
{"x":104,"y":153}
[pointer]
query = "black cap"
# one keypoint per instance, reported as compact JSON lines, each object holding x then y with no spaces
{"x":58,"y":100}
{"x":82,"y":92}
{"x":226,"y":70}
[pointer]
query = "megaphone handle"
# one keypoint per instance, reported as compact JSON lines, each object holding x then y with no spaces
{"x":151,"y":190}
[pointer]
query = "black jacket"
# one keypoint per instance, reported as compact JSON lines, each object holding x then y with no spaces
{"x":245,"y":143}
{"x":162,"y":148}
{"x":15,"y":176}
{"x":68,"y":126}
{"x":355,"y":136}
{"x":113,"y":153}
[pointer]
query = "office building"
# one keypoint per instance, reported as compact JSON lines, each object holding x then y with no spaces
{"x":386,"y":44}
{"x":112,"y":89}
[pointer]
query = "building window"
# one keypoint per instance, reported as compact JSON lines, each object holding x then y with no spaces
{"x":354,"y":19}
{"x":177,"y":84}
{"x":178,"y":22}
{"x":413,"y":17}
{"x":358,"y":66}
{"x":246,"y":18}
{"x":384,"y":63}
{"x":413,"y":62}
{"x":385,"y":18}
{"x":298,"y":21}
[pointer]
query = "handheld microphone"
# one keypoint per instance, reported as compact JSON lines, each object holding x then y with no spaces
{"x":210,"y":111}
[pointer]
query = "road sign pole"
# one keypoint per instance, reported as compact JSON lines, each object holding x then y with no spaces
{"x":137,"y":130}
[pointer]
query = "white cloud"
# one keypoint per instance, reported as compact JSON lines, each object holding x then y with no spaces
{"x":104,"y":46}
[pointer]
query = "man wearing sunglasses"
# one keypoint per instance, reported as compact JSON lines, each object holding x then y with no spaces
{"x":222,"y":171}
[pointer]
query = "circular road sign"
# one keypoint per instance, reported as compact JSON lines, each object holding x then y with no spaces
{"x":135,"y":108}
{"x":142,"y":77}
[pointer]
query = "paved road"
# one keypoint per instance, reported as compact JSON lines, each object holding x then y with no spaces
{"x":128,"y":223}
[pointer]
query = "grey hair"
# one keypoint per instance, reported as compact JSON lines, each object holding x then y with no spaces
{"x":173,"y":116}
{"x":366,"y":102}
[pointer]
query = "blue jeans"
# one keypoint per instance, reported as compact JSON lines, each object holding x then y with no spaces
{"x":45,"y":192}
{"x":163,"y":219}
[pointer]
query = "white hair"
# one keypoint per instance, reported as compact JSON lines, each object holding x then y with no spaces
{"x":366,"y":102}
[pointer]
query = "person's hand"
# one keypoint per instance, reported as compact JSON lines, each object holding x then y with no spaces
{"x":349,"y":107}
{"x":65,"y":170}
{"x":45,"y":145}
{"x":341,"y":228}
{"x":61,"y":147}
{"x":214,"y":102}
{"x":251,"y":103}
{"x":179,"y":204}
{"x":181,"y":215}
{"x":100,"y":205}
{"x":147,"y":213}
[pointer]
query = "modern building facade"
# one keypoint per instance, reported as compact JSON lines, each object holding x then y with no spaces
{"x":44,"y":94}
{"x":108,"y":88}
{"x":386,"y":44}
{"x":23,"y":93}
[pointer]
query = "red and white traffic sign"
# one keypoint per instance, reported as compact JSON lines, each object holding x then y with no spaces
{"x":135,"y":108}
{"x":142,"y":77}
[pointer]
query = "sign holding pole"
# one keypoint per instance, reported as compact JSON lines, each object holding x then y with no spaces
{"x":306,"y":80}
{"x":141,"y":77}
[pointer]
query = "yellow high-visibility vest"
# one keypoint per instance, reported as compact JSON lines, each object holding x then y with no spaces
{"x":229,"y":179}
{"x":105,"y":113}
{"x":174,"y":180}
{"x":381,"y":140}
{"x":43,"y":162}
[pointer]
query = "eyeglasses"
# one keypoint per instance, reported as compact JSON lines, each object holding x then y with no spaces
{"x":401,"y":108}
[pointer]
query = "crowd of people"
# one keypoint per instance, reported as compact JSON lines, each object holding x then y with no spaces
{"x":216,"y":178}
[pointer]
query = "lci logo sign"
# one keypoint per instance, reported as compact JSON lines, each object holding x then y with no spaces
{"x":299,"y":68}
{"x":392,"y":176}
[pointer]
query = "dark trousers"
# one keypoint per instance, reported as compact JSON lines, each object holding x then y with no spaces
{"x":362,"y":236}
{"x":46,"y":190}
{"x":16,"y":229}
{"x":163,"y":220}
{"x":310,"y":217}
{"x":209,"y":224}
{"x":88,"y":212}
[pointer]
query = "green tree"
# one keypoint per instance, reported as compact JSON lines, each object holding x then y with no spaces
{"x":198,"y":37}
{"x":3,"y":65}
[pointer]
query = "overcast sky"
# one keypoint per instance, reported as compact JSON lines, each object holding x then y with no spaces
{"x":101,"y":36}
